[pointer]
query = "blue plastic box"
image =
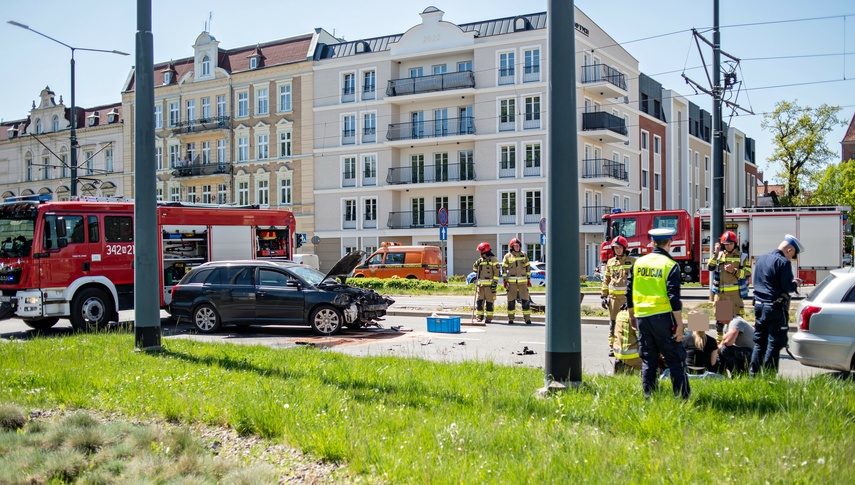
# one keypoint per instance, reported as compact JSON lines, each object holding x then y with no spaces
{"x":448,"y":324}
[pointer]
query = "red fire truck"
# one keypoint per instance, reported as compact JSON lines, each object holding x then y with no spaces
{"x":760,"y":229}
{"x":75,"y":259}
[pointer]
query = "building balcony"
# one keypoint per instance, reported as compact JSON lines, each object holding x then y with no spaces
{"x":604,"y":172}
{"x":429,"y":174}
{"x":202,"y":124}
{"x":186,"y":168}
{"x":428,"y":219}
{"x":593,"y":214}
{"x":604,"y":127}
{"x":429,"y":84}
{"x":604,"y":80}
{"x":431,"y":129}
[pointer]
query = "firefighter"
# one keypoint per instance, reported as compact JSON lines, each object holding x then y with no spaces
{"x":613,"y":292}
{"x":486,"y":280}
{"x":729,"y":267}
{"x":653,"y":301}
{"x":517,"y":273}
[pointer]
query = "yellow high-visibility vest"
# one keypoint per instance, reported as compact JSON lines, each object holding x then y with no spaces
{"x":649,"y":291}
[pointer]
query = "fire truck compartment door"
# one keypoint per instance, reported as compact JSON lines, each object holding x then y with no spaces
{"x":823,"y":240}
{"x":232,"y":242}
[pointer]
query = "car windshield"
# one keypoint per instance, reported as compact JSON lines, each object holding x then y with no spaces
{"x":816,"y":291}
{"x":308,"y":274}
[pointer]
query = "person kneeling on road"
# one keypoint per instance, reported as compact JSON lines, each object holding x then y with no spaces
{"x":517,"y":280}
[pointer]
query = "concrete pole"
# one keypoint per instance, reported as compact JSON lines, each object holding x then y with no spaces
{"x":718,"y":202}
{"x":147,"y":332}
{"x":563,"y":309}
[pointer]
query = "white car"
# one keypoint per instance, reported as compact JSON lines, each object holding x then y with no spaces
{"x":826,"y":321}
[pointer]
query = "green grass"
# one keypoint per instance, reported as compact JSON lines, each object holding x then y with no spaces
{"x":411,"y":421}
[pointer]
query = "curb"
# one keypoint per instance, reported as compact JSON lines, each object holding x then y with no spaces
{"x":499,"y":318}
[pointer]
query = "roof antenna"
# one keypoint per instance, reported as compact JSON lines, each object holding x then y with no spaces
{"x":208,"y":23}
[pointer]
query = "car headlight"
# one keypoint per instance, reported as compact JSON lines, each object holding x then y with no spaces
{"x":32,"y":300}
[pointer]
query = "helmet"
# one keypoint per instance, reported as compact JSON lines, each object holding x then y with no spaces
{"x":514,"y":241}
{"x":729,"y":237}
{"x":483,"y":247}
{"x":619,"y":241}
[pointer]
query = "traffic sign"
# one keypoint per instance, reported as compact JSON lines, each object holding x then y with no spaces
{"x":443,"y":216}
{"x":543,"y":225}
{"x":543,"y":239}
{"x":443,"y":233}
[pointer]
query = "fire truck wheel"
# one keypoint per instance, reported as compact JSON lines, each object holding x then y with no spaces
{"x":41,"y":323}
{"x":206,"y":318}
{"x":91,"y":308}
{"x":326,"y":320}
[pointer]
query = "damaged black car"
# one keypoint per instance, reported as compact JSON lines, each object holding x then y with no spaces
{"x":261,"y":292}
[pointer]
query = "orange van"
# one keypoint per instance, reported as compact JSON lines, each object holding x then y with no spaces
{"x":392,"y":260}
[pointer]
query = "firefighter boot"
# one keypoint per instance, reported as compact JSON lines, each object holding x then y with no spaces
{"x":612,"y":338}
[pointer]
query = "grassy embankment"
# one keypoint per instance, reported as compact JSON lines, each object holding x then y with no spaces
{"x":401,"y":420}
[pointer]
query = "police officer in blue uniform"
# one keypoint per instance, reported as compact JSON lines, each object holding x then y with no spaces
{"x":653,"y":300}
{"x":773,"y":283}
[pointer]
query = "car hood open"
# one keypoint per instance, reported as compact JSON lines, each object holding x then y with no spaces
{"x":346,"y":265}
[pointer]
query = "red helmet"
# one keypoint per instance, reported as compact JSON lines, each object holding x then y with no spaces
{"x":620,"y":241}
{"x":514,"y":241}
{"x":483,"y":247}
{"x":729,"y":237}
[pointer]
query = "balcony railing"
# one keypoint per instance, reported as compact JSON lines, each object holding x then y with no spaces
{"x":348,"y":223}
{"x":431,"y":129}
{"x":432,"y":83}
{"x":531,"y":215}
{"x":506,"y":75}
{"x":603,"y":167}
{"x":531,"y":73}
{"x":428,"y":174}
{"x":593,"y":214}
{"x":600,"y":120}
{"x":348,"y":95}
{"x":531,"y":121}
{"x":202,"y":124}
{"x":369,"y":135}
{"x":595,"y":73}
{"x":348,"y":137}
{"x":186,"y":168}
{"x":369,"y":92}
{"x":406,"y":220}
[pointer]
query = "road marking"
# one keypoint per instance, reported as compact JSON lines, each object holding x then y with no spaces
{"x":533,"y":343}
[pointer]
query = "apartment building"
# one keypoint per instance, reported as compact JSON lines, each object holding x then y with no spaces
{"x":35,"y":151}
{"x":231,"y":125}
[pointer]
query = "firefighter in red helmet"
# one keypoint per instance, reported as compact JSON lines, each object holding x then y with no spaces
{"x":727,"y":267}
{"x":613,"y":291}
{"x":487,"y":272}
{"x":516,"y":271}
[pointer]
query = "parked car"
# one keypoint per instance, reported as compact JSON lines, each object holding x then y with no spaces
{"x":847,"y":260}
{"x":537,"y":273}
{"x":259,"y":292}
{"x":826,"y":321}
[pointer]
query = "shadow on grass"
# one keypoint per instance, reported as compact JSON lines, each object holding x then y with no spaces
{"x":56,"y":332}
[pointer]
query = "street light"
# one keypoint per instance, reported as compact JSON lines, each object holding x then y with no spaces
{"x":73,"y":134}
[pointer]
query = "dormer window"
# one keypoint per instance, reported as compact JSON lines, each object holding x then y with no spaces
{"x":206,"y":66}
{"x":93,"y":118}
{"x":56,"y":123}
{"x":113,"y":116}
{"x":167,"y":77}
{"x":13,"y":132}
{"x":253,"y":62}
{"x":256,"y":58}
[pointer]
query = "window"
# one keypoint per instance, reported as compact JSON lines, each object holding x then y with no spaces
{"x":262,"y":192}
{"x":243,"y":149}
{"x":348,"y":88}
{"x":191,"y":110}
{"x":417,"y":168}
{"x":173,"y":114}
{"x":158,"y":157}
{"x":644,"y":140}
{"x":118,"y":229}
{"x":467,"y":209}
{"x":369,"y":213}
{"x":440,"y":167}
{"x":159,"y":194}
{"x":108,"y":159}
{"x":707,"y":164}
{"x":656,"y":178}
{"x":349,"y":214}
{"x":349,"y":174}
{"x":221,"y":152}
{"x":221,"y":106}
{"x":89,"y":162}
{"x":46,"y":168}
{"x":507,"y":114}
{"x":369,"y":127}
{"x":369,"y":170}
{"x":221,"y":194}
{"x":167,"y":77}
{"x":285,"y":191}
{"x":623,"y":227}
{"x":191,"y":194}
{"x":263,"y":148}
{"x":56,"y":123}
{"x":261,"y":103}
{"x":440,"y":69}
{"x":464,"y":66}
{"x":285,"y":143}
{"x":175,"y":194}
{"x":532,"y":113}
{"x":191,"y":151}
{"x":243,"y":104}
{"x":206,"y":108}
{"x":532,"y":206}
{"x":507,"y":161}
{"x":28,"y":163}
{"x":253,"y":62}
{"x":348,"y":130}
{"x":39,"y":126}
{"x":508,"y":208}
{"x":369,"y":84}
{"x":285,"y":97}
{"x":206,"y":152}
{"x":506,"y":68}
{"x":531,"y":69}
{"x":63,"y":170}
{"x":644,"y":176}
{"x":418,"y":206}
{"x":534,"y":251}
{"x":417,"y":72}
{"x":174,"y":155}
{"x":158,"y":117}
{"x":532,"y":159}
{"x":657,"y":144}
{"x":466,"y":161}
{"x":206,"y":66}
{"x":206,"y":194}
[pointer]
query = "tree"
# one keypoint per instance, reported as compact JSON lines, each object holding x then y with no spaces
{"x":799,"y":144}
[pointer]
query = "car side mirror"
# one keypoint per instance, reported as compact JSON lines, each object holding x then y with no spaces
{"x":292,"y":284}
{"x":62,"y":242}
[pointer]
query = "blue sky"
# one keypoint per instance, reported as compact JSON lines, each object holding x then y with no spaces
{"x":815,"y":71}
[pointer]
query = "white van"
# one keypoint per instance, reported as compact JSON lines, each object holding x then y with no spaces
{"x":310,"y":260}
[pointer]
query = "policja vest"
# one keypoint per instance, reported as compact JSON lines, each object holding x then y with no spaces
{"x":649,"y":290}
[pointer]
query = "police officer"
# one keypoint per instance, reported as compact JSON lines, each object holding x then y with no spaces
{"x":729,"y":267}
{"x":487,"y":272}
{"x":773,"y":283}
{"x":517,"y":280}
{"x":653,"y":301}
{"x":613,"y":292}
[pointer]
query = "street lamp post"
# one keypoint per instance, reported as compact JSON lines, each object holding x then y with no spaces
{"x":73,"y":133}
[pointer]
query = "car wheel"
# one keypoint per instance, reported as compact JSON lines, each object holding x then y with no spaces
{"x":91,"y":308}
{"x":206,"y":318}
{"x":326,"y":320}
{"x":412,"y":277}
{"x":41,"y":323}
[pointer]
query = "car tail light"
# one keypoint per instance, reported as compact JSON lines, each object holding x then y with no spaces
{"x":804,"y":317}
{"x":172,"y":291}
{"x":540,"y":272}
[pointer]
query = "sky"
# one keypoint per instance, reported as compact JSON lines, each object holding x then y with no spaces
{"x":789,"y":50}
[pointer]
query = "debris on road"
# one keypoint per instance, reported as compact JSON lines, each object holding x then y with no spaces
{"x":525,"y":351}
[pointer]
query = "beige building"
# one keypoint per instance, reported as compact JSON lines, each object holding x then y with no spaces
{"x":35,"y":151}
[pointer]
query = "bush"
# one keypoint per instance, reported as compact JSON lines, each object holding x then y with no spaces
{"x":12,"y":418}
